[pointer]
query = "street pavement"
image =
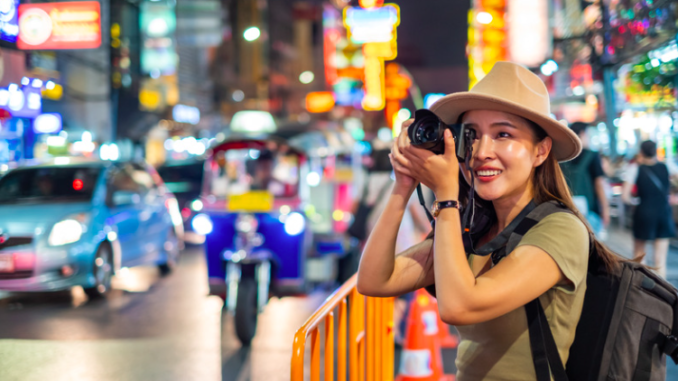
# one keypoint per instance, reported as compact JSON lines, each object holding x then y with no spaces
{"x":153,"y":328}
{"x":149,"y":328}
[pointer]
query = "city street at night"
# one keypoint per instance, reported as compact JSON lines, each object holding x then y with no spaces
{"x":338,"y":190}
{"x":148,"y":328}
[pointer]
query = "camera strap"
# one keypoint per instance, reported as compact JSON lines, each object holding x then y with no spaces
{"x":430,"y":217}
{"x":469,"y":210}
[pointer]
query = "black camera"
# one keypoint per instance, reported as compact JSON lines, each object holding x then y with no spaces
{"x":427,"y":131}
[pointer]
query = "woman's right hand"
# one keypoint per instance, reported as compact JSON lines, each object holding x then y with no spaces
{"x":404,"y":181}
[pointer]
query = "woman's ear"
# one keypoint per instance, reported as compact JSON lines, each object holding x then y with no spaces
{"x":543,"y":150}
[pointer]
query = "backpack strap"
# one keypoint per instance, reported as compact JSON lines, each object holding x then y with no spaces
{"x":670,"y":344}
{"x":545,"y":356}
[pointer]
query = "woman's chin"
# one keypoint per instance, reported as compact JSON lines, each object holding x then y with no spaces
{"x":489,"y":192}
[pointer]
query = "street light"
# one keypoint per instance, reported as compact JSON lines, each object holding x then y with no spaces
{"x":306,"y":77}
{"x":251,"y":33}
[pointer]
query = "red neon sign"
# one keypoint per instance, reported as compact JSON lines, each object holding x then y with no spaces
{"x":71,"y":25}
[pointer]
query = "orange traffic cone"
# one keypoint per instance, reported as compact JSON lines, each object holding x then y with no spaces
{"x":421,"y":359}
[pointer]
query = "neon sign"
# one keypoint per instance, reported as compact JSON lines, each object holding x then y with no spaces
{"x":372,"y":25}
{"x":9,"y":20}
{"x":320,"y":101}
{"x":23,"y":102}
{"x":72,"y":25}
{"x":487,"y":38}
{"x":376,"y":29}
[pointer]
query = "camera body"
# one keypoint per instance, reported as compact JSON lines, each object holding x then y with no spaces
{"x":427,"y":132}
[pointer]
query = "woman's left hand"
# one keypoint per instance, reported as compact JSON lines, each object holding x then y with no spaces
{"x":438,"y":172}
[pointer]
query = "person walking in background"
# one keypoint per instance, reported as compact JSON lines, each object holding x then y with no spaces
{"x":587,"y":182}
{"x":652,"y":219}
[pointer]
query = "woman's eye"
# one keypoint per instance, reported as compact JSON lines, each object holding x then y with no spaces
{"x":503,"y":135}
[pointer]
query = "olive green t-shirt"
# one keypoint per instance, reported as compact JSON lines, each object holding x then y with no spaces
{"x":499,"y":349}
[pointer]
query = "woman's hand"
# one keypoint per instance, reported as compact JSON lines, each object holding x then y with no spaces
{"x":438,"y":172}
{"x":404,"y":180}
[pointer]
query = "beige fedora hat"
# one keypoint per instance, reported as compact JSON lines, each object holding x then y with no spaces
{"x":512,"y":88}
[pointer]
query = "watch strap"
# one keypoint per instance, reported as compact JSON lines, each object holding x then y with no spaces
{"x":440,"y":205}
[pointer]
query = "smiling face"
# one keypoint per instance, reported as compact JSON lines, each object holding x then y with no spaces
{"x":505,"y":154}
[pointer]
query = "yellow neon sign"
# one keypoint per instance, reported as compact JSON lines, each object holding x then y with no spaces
{"x":376,"y":29}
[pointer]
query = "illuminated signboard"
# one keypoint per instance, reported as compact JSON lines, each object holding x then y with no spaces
{"x":9,"y":20}
{"x":158,"y":53}
{"x":528,"y":34}
{"x":252,"y":121}
{"x":320,"y":101}
{"x":376,"y":29}
{"x":23,"y":102}
{"x":372,"y":25}
{"x":186,"y":114}
{"x":487,"y":39}
{"x":49,"y":123}
{"x":72,"y":25}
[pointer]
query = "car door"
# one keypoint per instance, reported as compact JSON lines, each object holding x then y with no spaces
{"x":154,"y":219}
{"x":124,"y":200}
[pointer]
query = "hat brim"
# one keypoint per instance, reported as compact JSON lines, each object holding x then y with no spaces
{"x":566,"y":144}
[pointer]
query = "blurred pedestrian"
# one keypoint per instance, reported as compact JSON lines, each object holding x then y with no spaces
{"x":652,"y":218}
{"x":587,"y":181}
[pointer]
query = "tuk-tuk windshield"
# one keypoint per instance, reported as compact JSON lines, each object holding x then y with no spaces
{"x":239,"y":171}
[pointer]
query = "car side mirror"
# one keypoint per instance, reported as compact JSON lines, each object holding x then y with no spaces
{"x":124,"y":198}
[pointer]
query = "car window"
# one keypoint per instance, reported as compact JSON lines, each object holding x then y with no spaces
{"x":48,"y":184}
{"x":142,"y":177}
{"x":122,"y":179}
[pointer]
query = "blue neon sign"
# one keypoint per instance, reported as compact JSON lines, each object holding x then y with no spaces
{"x":9,"y":20}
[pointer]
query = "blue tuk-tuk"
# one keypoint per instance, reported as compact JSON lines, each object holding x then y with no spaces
{"x":258,"y":239}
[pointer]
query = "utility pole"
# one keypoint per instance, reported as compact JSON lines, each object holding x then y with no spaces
{"x":608,"y":80}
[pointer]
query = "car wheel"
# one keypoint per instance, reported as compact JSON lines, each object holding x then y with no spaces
{"x":246,"y":311}
{"x":102,"y":269}
{"x":171,"y":248}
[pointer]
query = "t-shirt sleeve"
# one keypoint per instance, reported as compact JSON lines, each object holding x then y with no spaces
{"x":596,"y":166}
{"x":565,"y":238}
{"x":631,"y":174}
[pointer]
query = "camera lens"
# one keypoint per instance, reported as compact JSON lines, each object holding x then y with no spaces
{"x":426,"y":130}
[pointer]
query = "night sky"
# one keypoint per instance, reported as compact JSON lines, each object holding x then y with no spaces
{"x":432,"y":33}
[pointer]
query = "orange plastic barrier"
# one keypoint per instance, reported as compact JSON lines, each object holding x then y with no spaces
{"x":364,"y":334}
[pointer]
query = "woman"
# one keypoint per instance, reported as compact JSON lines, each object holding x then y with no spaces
{"x":515,"y":159}
{"x":653,"y":217}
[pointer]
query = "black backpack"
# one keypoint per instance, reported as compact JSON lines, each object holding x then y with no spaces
{"x":629,"y":320}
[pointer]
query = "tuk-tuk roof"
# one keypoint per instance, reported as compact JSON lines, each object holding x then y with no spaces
{"x":272,"y":143}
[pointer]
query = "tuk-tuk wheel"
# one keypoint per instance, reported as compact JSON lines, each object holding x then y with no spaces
{"x":246,"y":311}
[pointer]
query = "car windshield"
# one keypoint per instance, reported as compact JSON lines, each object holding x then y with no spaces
{"x":242,"y":170}
{"x":47,"y":184}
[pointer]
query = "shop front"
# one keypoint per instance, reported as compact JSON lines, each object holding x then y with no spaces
{"x":22,"y":104}
{"x":647,"y":95}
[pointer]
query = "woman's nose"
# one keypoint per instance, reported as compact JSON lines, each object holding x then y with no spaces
{"x":483,"y":148}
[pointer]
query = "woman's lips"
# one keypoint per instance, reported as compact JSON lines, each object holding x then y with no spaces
{"x":486,"y":175}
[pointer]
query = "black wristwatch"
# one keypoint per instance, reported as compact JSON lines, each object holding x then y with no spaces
{"x":439,"y":205}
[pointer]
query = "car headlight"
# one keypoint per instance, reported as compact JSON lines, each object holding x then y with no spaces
{"x":197,"y":205}
{"x":295,"y":223}
{"x":65,"y":232}
{"x":202,"y":224}
{"x":246,"y":223}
